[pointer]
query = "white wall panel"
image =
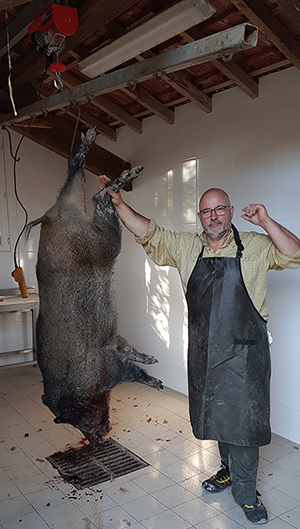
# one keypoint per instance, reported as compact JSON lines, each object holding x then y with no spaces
{"x":251,"y":148}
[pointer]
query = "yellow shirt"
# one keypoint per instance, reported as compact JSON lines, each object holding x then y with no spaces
{"x":181,"y":250}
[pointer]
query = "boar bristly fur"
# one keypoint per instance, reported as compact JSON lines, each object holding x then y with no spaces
{"x":79,"y":351}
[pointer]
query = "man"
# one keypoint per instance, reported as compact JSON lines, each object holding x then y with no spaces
{"x":223,"y":274}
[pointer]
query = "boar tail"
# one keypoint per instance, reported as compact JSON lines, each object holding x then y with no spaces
{"x":32,"y":224}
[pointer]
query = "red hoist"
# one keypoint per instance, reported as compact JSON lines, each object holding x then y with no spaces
{"x":48,"y":33}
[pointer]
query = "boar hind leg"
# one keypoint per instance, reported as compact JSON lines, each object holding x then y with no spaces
{"x":124,"y":178}
{"x":106,"y":218}
{"x":103,"y":207}
{"x":79,"y":159}
{"x":132,"y":354}
{"x":122,"y":369}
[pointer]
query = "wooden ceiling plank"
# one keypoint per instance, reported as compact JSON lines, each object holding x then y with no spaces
{"x":185,"y":87}
{"x":273,"y":30}
{"x":143,"y":96}
{"x":59,"y":139}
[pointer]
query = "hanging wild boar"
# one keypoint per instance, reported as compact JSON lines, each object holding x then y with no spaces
{"x":79,"y":352}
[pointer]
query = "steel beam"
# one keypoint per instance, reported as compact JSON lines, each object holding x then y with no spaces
{"x":225,"y":43}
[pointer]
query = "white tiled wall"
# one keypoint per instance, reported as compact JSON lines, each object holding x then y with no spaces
{"x":251,"y":148}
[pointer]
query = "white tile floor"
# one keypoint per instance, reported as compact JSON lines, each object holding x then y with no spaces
{"x":165,"y":495}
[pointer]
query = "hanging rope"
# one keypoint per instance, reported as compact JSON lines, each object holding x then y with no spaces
{"x":74,"y":135}
{"x":9,"y":68}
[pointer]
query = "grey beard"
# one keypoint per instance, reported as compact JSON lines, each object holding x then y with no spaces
{"x":216,"y":236}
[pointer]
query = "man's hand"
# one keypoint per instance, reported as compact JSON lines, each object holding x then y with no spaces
{"x":116,"y":198}
{"x":134,"y":222}
{"x":256,"y":213}
{"x":286,"y":242}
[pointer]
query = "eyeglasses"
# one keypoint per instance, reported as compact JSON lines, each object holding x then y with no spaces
{"x":219,"y":210}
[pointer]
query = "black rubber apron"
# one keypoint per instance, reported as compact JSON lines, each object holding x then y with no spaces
{"x":228,"y":355}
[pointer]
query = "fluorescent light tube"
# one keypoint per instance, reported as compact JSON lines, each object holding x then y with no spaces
{"x":160,"y":28}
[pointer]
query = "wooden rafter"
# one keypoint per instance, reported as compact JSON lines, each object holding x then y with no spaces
{"x":234,"y":72}
{"x":274,"y":31}
{"x":108,"y":106}
{"x":90,"y":121}
{"x":231,"y":69}
{"x":181,"y":85}
{"x":83,"y":116}
{"x":19,"y":27}
{"x":143,"y":96}
{"x":185,"y":87}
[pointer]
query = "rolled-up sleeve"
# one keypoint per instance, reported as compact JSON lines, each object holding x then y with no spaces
{"x":279,"y":261}
{"x":160,"y":245}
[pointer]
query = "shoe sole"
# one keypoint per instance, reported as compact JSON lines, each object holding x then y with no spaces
{"x":216,"y":491}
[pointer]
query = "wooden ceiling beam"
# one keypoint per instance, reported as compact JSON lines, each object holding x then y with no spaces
{"x":108,"y":106}
{"x":59,"y":139}
{"x":90,"y":121}
{"x":231,"y":69}
{"x":186,"y":88}
{"x":290,"y":8}
{"x":231,"y":40}
{"x":117,"y":112}
{"x":272,"y":29}
{"x":92,"y":15}
{"x":234,"y":72}
{"x":18,"y":28}
{"x":37,"y":124}
{"x":221,"y":86}
{"x":143,"y":96}
{"x":84,"y":117}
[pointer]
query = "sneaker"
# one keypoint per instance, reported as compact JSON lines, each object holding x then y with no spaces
{"x":256,"y":513}
{"x":218,"y":482}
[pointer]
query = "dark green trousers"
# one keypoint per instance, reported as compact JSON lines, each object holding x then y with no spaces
{"x":243,"y":464}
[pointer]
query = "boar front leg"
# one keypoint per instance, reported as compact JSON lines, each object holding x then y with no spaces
{"x":132,"y":354}
{"x":122,"y":369}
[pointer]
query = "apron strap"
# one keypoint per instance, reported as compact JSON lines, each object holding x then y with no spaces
{"x":238,"y":242}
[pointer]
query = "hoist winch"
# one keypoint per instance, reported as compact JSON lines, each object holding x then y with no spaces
{"x":49,"y":31}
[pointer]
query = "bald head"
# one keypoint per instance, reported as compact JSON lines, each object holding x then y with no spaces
{"x":212,"y":193}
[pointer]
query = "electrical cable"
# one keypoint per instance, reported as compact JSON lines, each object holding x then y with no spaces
{"x":16,"y":160}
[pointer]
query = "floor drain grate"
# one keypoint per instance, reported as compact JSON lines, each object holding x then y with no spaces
{"x":87,"y":466}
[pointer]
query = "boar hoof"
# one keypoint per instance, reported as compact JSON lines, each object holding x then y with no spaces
{"x":151,"y":381}
{"x":150,"y":360}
